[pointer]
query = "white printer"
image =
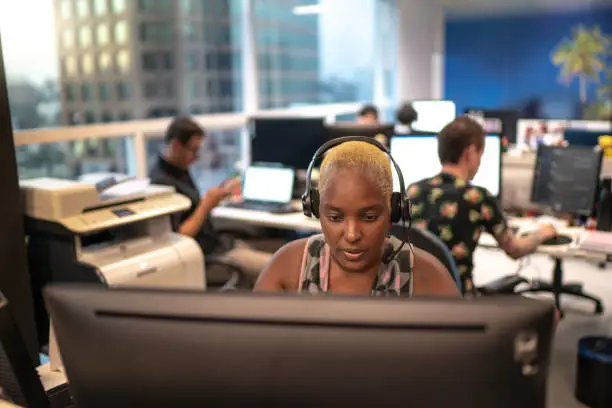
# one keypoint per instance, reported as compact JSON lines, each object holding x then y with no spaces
{"x":119,"y":237}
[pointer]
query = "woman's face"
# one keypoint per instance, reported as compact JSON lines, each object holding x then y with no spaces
{"x":354,"y":215}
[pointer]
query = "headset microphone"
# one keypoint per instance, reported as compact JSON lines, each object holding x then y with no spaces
{"x":400,"y":203}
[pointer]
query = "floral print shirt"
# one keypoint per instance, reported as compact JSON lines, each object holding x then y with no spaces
{"x":457,"y":212}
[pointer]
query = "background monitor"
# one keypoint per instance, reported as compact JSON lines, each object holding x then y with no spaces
{"x":433,"y":115}
{"x":147,"y":348}
{"x":287,"y":141}
{"x":268,"y":184}
{"x":353,"y":129}
{"x":507,"y":117}
{"x":417,"y":157}
{"x":566,"y":178}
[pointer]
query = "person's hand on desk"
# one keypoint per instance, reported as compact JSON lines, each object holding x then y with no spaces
{"x":547,"y":231}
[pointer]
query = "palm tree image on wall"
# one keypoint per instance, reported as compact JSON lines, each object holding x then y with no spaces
{"x":586,"y":56}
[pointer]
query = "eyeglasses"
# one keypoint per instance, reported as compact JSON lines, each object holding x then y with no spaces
{"x":194,"y":151}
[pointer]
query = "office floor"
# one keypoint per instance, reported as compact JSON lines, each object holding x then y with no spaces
{"x":578,"y":321}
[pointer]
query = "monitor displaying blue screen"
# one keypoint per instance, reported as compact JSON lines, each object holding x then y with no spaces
{"x":417,"y":157}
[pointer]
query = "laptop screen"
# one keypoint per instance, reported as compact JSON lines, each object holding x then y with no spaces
{"x":269,"y":184}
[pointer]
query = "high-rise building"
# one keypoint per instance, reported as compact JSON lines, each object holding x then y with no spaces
{"x":287,"y":43}
{"x":125,"y":59}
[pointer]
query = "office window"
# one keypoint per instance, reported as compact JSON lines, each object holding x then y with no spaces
{"x":190,"y":31}
{"x":165,"y":6}
{"x":87,"y":64}
{"x":155,"y":32}
{"x":167,"y":61}
{"x":104,"y":92}
{"x":82,"y":7}
{"x":106,"y":116}
{"x":191,"y":62}
{"x":122,"y":62}
{"x":211,"y":61}
{"x":85,"y":37}
{"x":69,"y":66}
{"x":118,"y":6}
{"x":90,"y":117}
{"x":146,"y":6}
{"x":190,"y":6}
{"x":151,"y":89}
{"x":68,"y":38}
{"x":70,"y":92}
{"x":125,"y":116}
{"x":102,"y":34}
{"x":100,"y":7}
{"x":66,"y":9}
{"x":91,"y":40}
{"x":121,"y":32}
{"x":196,"y":110}
{"x":104,"y":63}
{"x":194,"y":88}
{"x":150,"y":61}
{"x":306,"y":61}
{"x":70,"y":160}
{"x":87,"y":92}
{"x":123,"y":91}
{"x":167,"y":88}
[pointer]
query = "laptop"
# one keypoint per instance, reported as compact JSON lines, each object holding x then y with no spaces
{"x":267,"y":189}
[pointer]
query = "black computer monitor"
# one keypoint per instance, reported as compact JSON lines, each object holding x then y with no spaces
{"x":147,"y":348}
{"x":417,"y":157}
{"x":566,"y":178}
{"x":354,"y":129}
{"x":287,"y":141}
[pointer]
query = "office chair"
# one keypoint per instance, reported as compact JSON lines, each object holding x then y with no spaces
{"x":428,"y":242}
{"x":18,"y":376}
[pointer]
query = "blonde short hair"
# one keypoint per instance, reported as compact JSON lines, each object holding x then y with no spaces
{"x":361,"y":156}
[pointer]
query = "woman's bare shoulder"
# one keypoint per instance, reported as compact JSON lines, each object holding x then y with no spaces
{"x":283,"y":271}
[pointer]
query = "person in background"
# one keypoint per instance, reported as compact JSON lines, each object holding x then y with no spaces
{"x":368,"y":115}
{"x":448,"y":205}
{"x":354,"y":254}
{"x":182,"y":148}
{"x":406,"y":116}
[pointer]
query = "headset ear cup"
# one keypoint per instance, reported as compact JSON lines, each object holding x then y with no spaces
{"x":314,"y":202}
{"x":396,"y":207}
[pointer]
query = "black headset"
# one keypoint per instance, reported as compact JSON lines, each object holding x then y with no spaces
{"x":400,"y":203}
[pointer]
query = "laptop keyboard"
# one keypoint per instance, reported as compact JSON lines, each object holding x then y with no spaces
{"x":267,"y":207}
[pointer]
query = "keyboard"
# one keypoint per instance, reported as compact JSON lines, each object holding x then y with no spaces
{"x":267,"y":207}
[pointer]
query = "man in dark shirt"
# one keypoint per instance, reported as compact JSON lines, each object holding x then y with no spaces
{"x":449,"y":206}
{"x":183,"y":141}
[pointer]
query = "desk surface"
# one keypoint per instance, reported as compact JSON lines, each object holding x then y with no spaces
{"x":297,"y":221}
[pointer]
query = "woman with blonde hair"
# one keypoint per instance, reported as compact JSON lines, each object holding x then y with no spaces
{"x":354,"y":253}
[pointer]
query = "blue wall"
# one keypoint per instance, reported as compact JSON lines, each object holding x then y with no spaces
{"x":505,"y":62}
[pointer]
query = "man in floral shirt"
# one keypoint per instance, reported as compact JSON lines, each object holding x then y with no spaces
{"x":448,"y":205}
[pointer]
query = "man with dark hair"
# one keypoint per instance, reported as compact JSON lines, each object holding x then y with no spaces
{"x":449,"y":206}
{"x":368,"y":115}
{"x":183,"y":142}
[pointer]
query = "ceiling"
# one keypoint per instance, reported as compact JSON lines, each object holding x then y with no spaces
{"x":467,"y":8}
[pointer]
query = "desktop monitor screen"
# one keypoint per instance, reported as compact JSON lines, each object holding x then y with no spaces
{"x":417,"y":157}
{"x":287,"y":141}
{"x":268,"y":184}
{"x":433,"y":115}
{"x":153,"y":348}
{"x":566,"y":178}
